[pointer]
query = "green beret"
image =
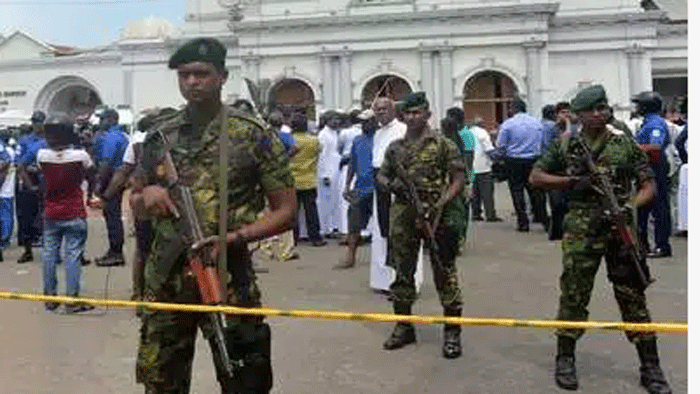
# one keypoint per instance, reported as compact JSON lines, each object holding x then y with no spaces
{"x":413,"y":100}
{"x":208,"y":50}
{"x":589,"y":98}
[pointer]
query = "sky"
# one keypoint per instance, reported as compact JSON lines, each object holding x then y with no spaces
{"x":82,"y":23}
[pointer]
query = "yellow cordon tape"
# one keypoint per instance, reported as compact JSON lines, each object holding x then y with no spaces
{"x":352,"y":316}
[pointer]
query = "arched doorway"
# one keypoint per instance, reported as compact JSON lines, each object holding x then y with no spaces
{"x":293,"y":93}
{"x":69,"y":95}
{"x":489,"y":95}
{"x":385,"y":85}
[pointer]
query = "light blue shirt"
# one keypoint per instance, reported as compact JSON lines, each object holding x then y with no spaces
{"x":520,"y":137}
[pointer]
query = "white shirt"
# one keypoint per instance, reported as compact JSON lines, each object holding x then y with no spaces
{"x":482,"y":161}
{"x":7,"y":190}
{"x":386,"y":134}
{"x":329,"y":159}
{"x":347,"y":136}
{"x":129,"y":153}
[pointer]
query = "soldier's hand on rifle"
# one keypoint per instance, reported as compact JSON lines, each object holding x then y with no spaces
{"x":580,"y":183}
{"x":157,"y":202}
{"x":212,"y":243}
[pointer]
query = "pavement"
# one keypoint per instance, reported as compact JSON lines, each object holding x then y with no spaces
{"x":503,"y":273}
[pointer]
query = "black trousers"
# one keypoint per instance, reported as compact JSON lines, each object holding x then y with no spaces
{"x":29,"y":218}
{"x":307,"y":198}
{"x":115,"y":225}
{"x":660,"y":210}
{"x":483,"y":194}
{"x":518,"y":173}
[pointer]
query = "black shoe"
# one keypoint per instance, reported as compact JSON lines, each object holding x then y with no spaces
{"x":78,"y":308}
{"x":651,"y":376}
{"x":51,"y":306}
{"x":25,"y":257}
{"x":494,"y":219}
{"x":659,"y":253}
{"x":84,"y":261}
{"x":452,"y":346}
{"x":111,"y":260}
{"x":1,"y":257}
{"x":478,"y":219}
{"x":523,"y":229}
{"x":403,"y":334}
{"x":343,"y":265}
{"x":565,"y":373}
{"x":318,"y":243}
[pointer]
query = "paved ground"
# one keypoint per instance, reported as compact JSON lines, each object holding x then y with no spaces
{"x":503,"y":274}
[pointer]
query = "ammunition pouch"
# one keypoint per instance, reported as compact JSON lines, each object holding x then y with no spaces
{"x":248,"y":345}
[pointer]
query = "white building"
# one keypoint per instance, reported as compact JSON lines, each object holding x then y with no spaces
{"x":337,"y":54}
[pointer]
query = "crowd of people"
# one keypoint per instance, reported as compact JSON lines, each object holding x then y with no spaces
{"x":384,"y":160}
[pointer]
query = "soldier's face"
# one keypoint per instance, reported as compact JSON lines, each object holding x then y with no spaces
{"x":200,"y":82}
{"x":595,"y":119}
{"x":416,"y":118}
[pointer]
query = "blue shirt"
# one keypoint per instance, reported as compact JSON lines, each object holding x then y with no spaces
{"x":361,"y":162}
{"x":287,"y":141}
{"x":114,"y":144}
{"x":29,"y":145}
{"x":550,"y":132}
{"x":520,"y":137}
{"x":97,"y":142}
{"x":654,"y":131}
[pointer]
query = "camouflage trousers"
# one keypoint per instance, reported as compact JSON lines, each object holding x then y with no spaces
{"x":405,"y":244}
{"x":167,"y":340}
{"x":583,"y":249}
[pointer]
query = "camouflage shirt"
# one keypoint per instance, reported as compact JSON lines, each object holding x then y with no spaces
{"x":613,"y":152}
{"x":257,"y":164}
{"x":428,"y":162}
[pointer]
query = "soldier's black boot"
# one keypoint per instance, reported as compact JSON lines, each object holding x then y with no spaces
{"x":27,"y":255}
{"x":565,"y":373}
{"x":652,"y":378}
{"x":452,"y":346}
{"x":404,"y":333}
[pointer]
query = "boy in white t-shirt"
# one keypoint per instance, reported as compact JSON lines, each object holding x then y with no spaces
{"x":483,"y":182}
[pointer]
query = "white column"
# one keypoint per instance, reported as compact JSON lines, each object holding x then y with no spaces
{"x":446,"y":88}
{"x":346,"y":81}
{"x":534,"y":76}
{"x":639,"y":69}
{"x":327,"y":81}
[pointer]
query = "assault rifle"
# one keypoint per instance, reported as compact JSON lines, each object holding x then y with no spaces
{"x":208,"y":280}
{"x":423,"y":218}
{"x":613,"y":211}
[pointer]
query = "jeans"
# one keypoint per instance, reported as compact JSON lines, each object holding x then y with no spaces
{"x":115,"y":226}
{"x":7,"y":220}
{"x":73,"y":234}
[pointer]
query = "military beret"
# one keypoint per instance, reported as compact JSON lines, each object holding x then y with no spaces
{"x":415,"y":99}
{"x":204,"y":49}
{"x":588,"y":98}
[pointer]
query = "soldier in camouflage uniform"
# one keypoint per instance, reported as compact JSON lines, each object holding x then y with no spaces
{"x":432,"y":162}
{"x":588,"y":235}
{"x":257,"y":171}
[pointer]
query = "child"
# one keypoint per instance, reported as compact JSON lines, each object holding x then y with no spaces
{"x":64,"y":169}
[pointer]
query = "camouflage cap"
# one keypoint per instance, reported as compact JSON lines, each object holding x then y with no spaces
{"x":588,"y":98}
{"x":203,"y":49}
{"x":413,"y":100}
